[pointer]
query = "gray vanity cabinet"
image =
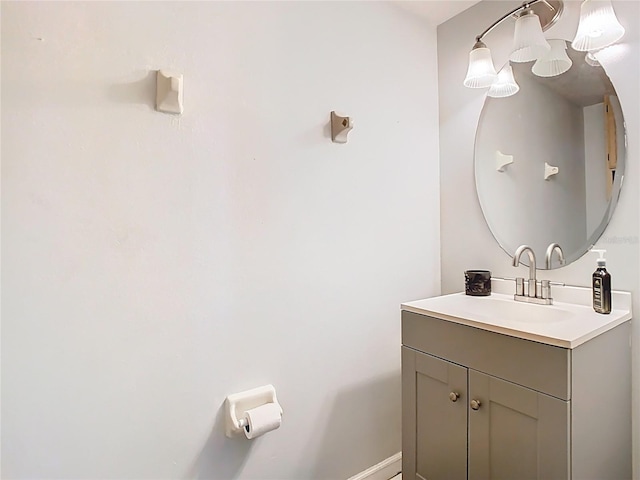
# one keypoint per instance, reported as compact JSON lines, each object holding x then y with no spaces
{"x":483,"y":405}
{"x":435,"y":392}
{"x":507,"y":432}
{"x":516,"y":432}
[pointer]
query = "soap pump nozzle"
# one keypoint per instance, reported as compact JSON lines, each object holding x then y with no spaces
{"x":601,"y":260}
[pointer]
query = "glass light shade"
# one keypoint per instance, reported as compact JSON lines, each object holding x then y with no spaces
{"x":505,"y":85}
{"x":598,"y":27}
{"x":556,"y":62}
{"x":481,"y":72}
{"x":528,"y":40}
{"x":591,"y":59}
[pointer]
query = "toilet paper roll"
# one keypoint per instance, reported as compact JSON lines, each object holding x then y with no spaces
{"x":262,"y":419}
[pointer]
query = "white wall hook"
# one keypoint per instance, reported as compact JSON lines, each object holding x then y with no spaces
{"x":502,"y":160}
{"x":340,"y":128}
{"x":169,"y":92}
{"x":237,"y":405}
{"x":549,"y":170}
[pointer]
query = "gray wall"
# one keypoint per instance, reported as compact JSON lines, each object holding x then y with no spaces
{"x":465,"y":238}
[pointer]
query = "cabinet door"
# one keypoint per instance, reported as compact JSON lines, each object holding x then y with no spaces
{"x":434,"y":428}
{"x":515,"y":432}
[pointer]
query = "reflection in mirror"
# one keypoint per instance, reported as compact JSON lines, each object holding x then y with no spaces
{"x":549,"y":160}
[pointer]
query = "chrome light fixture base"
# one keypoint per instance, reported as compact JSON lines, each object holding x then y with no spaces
{"x":548,"y":11}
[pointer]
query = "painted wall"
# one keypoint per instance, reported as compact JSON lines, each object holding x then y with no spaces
{"x":465,"y":238}
{"x":154,"y":264}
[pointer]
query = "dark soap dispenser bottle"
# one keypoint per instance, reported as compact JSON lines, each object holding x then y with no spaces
{"x":601,"y":285}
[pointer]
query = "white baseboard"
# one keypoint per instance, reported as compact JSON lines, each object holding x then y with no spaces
{"x":383,"y":470}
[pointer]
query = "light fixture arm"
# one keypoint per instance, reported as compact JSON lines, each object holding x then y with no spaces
{"x":524,"y":6}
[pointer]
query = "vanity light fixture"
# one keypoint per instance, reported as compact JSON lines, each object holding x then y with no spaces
{"x":481,"y":72}
{"x":528,"y":40}
{"x":598,"y":28}
{"x":533,"y":17}
{"x":554,"y":63}
{"x":591,"y":59}
{"x":505,"y":85}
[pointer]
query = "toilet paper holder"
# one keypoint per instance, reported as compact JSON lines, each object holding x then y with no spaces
{"x":238,"y":403}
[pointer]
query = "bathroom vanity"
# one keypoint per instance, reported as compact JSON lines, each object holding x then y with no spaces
{"x":494,"y":389}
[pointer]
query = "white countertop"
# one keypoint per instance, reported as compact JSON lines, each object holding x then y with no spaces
{"x":562,"y":324}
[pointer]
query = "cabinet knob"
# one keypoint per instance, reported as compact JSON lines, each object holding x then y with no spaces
{"x":454,"y":396}
{"x":475,"y":404}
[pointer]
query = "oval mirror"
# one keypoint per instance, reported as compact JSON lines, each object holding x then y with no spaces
{"x":549,"y":160}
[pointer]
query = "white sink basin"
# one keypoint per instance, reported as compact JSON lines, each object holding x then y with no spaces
{"x":495,"y":306}
{"x":562,"y":324}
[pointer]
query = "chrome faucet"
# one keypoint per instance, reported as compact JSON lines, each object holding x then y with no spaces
{"x":552,"y":248}
{"x":532,"y":269}
{"x":540,"y":294}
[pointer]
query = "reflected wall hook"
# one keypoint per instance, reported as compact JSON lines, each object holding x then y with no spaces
{"x":502,"y":160}
{"x":549,"y":170}
{"x":340,"y":128}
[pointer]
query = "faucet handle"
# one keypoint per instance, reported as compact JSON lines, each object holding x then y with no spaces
{"x":519,"y":286}
{"x":545,"y":289}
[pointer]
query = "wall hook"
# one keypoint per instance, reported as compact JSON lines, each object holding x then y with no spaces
{"x":169,"y":92}
{"x":549,"y":170}
{"x":502,"y":160}
{"x":340,"y":128}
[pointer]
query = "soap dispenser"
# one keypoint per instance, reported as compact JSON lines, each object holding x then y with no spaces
{"x":601,"y":285}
